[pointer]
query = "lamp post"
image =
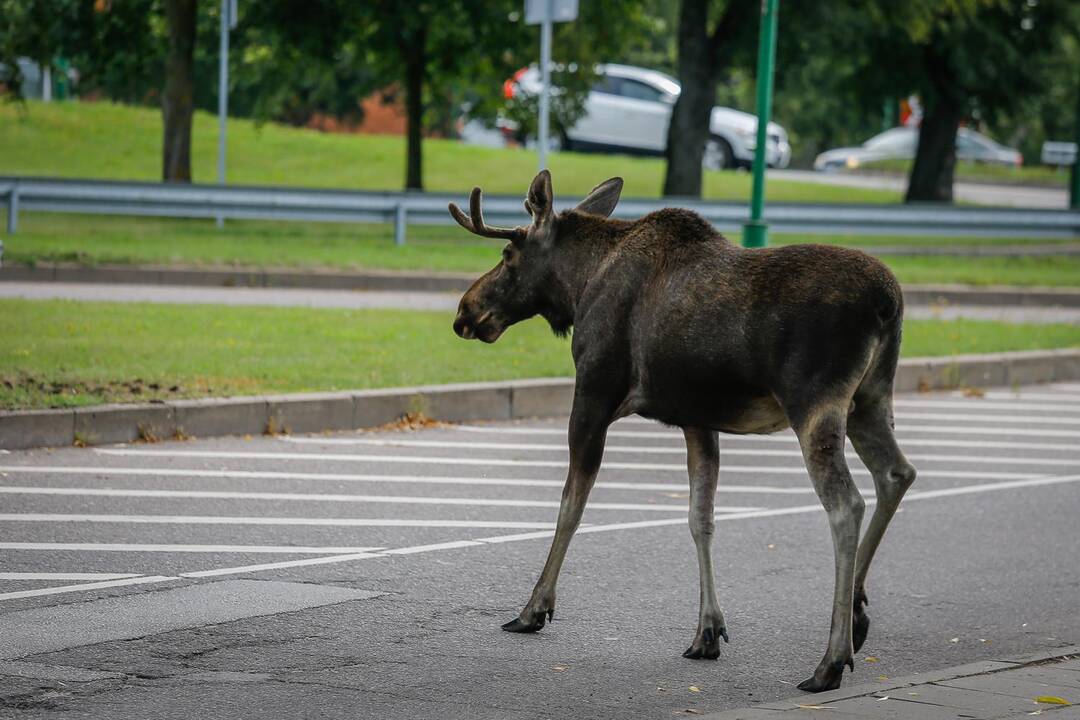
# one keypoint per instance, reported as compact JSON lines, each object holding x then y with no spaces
{"x":756,"y":231}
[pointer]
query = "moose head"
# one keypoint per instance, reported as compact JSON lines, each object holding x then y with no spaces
{"x":524,"y":283}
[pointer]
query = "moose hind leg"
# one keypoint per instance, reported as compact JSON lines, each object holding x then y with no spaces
{"x":870,"y":428}
{"x":821,"y":436}
{"x":703,"y":461}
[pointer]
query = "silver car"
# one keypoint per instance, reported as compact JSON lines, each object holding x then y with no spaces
{"x":629,"y":109}
{"x":899,"y":143}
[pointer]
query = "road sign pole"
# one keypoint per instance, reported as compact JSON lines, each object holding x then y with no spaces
{"x":756,"y":231}
{"x":545,"y":81}
{"x":1074,"y":194}
{"x":228,"y":21}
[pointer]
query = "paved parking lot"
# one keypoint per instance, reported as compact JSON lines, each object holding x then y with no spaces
{"x":366,"y":574}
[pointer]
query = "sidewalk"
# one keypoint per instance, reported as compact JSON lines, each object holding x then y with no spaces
{"x":987,"y":690}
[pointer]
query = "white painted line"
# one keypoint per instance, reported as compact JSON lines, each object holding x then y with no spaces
{"x":418,"y":549}
{"x":232,"y":520}
{"x":976,"y":404}
{"x":306,"y":497}
{"x":278,"y":565}
{"x":506,"y":462}
{"x":136,"y":547}
{"x":785,"y":436}
{"x":398,"y":479}
{"x":977,"y":417}
{"x":66,"y":576}
{"x":669,"y":450}
{"x":85,"y":586}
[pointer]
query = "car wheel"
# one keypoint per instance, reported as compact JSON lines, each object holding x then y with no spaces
{"x":718,"y":155}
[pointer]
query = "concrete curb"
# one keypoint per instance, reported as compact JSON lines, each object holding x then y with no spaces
{"x":448,"y":282}
{"x":508,"y":400}
{"x":772,"y":710}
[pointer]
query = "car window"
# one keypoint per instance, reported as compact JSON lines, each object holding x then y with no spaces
{"x":608,"y":85}
{"x":639,"y":91}
{"x":897,"y":139}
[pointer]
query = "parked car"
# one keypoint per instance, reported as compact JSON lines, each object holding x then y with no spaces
{"x":629,"y":108}
{"x":899,"y":143}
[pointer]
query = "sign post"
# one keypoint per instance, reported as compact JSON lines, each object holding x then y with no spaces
{"x":545,"y":13}
{"x":756,"y":231}
{"x":228,"y":22}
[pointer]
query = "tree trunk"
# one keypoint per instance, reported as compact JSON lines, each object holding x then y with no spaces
{"x":414,"y":51}
{"x":689,"y":127}
{"x":931,"y":178}
{"x":177,"y":103}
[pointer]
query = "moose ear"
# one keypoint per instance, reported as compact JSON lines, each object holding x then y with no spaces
{"x":540,"y":199}
{"x":603,"y":198}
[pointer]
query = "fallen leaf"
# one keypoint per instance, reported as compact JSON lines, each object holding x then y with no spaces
{"x":870,"y":658}
{"x":560,"y":668}
{"x":1052,"y":700}
{"x":974,"y":392}
{"x":695,"y":688}
{"x":883,"y":677}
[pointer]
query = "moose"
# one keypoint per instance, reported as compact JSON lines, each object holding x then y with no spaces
{"x":674,"y":323}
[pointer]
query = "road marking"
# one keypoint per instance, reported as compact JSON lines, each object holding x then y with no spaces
{"x":969,"y":404}
{"x":137,"y":547}
{"x":418,"y":549}
{"x":85,"y":586}
{"x":659,"y":467}
{"x":66,"y":576}
{"x":962,"y":417}
{"x":233,"y":520}
{"x":1059,"y":397}
{"x":666,"y":450}
{"x":402,"y":479}
{"x":337,"y":498}
{"x":902,"y":432}
{"x":278,"y":565}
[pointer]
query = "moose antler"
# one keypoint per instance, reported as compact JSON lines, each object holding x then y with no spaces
{"x":474,"y":222}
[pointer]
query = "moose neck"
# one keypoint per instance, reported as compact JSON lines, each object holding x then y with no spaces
{"x":583,"y":243}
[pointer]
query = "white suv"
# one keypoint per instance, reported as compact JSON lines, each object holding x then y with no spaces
{"x":629,"y":108}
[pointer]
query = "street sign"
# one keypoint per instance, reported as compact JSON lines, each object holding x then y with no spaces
{"x":561,"y":11}
{"x":544,"y":13}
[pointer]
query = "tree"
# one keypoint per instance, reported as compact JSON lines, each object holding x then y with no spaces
{"x":702,"y":55}
{"x":177,"y":102}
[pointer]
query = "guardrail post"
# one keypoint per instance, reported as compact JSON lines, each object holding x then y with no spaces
{"x":399,"y":224}
{"x":13,"y":209}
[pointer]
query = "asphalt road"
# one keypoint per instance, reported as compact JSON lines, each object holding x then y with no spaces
{"x":967,"y":192}
{"x":365,"y":575}
{"x":423,"y":301}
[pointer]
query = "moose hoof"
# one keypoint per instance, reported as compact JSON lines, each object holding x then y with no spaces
{"x":528,"y":622}
{"x":707,"y":644}
{"x":859,"y":629}
{"x":826,"y":677}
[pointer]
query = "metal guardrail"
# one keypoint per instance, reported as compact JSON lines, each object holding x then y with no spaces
{"x":25,"y":194}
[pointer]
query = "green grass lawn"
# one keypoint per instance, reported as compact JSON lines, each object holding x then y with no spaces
{"x":59,"y":353}
{"x":95,"y":239}
{"x":107,"y":141}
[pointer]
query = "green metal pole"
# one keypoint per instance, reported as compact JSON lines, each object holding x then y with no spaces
{"x":756,"y":232}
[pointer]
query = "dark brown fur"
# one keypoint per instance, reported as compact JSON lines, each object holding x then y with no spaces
{"x":673,"y":322}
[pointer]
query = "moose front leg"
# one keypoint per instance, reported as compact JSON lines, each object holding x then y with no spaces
{"x":703,"y":463}
{"x":588,"y":432}
{"x":821,"y":436}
